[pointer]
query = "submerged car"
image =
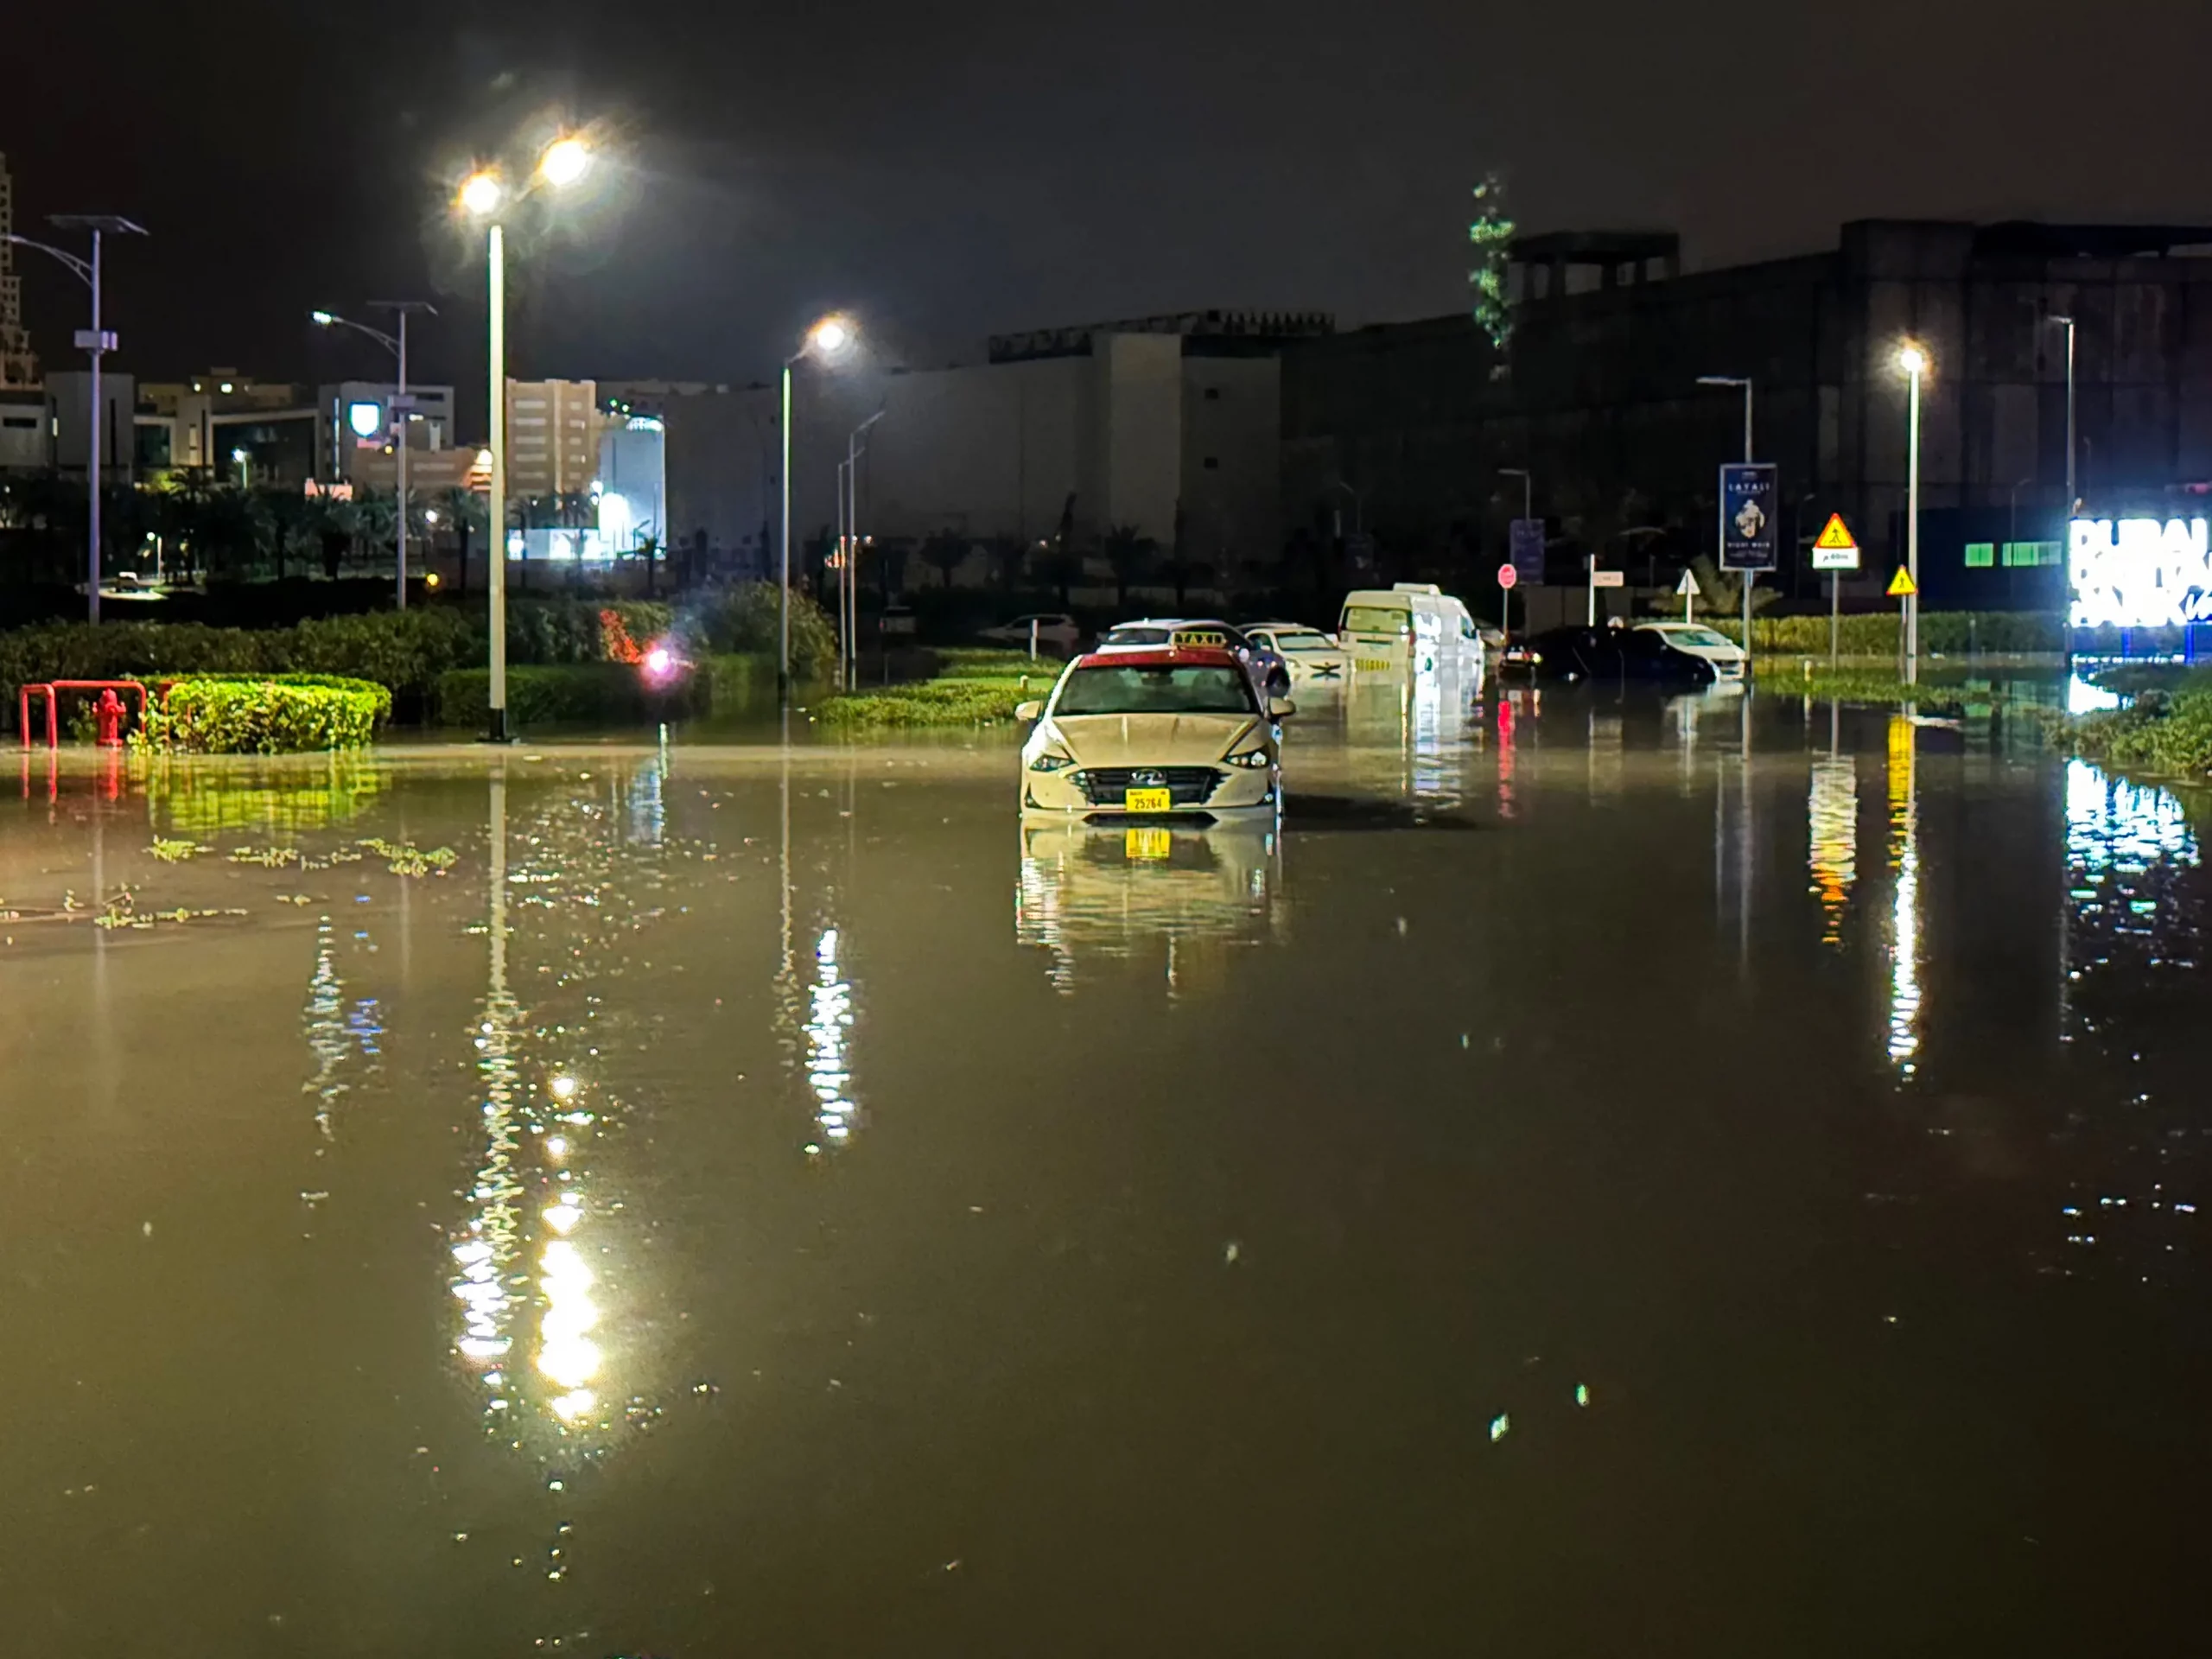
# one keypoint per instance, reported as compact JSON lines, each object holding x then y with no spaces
{"x":1264,"y":662}
{"x":1055,"y":630}
{"x":1157,"y":734}
{"x":1602,"y":655}
{"x":1310,"y":654}
{"x":1725,"y":654}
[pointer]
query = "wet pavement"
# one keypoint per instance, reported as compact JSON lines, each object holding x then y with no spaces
{"x":1660,"y":1178}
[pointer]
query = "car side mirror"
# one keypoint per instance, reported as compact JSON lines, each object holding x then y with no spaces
{"x":1029,"y":711}
{"x":1281,"y":707}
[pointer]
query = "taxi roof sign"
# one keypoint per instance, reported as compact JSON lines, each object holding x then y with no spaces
{"x":1902,"y":586}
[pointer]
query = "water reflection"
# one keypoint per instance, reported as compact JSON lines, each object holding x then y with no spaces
{"x":335,"y":1033}
{"x":2125,"y":844}
{"x":1905,"y":909}
{"x":1832,"y":819}
{"x":1095,"y":891}
{"x":829,"y":1026}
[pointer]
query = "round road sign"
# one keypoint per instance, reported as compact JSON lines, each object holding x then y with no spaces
{"x":1507,"y":576}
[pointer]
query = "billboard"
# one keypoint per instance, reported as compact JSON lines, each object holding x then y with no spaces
{"x":2138,"y":573}
{"x":1750,"y":503}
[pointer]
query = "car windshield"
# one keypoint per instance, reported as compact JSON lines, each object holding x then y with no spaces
{"x":1376,"y":618}
{"x":1193,"y":689}
{"x":1302,"y":642}
{"x":1695,"y":636}
{"x":1135,"y":637}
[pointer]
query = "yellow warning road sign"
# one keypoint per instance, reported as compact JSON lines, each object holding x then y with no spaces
{"x":1902,"y":586}
{"x":1834,"y":549}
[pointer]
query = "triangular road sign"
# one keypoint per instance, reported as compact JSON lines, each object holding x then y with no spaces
{"x":1901,"y":585}
{"x":1834,"y":534}
{"x":1687,"y":587}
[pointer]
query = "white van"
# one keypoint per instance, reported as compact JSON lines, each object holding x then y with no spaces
{"x":1413,"y":628}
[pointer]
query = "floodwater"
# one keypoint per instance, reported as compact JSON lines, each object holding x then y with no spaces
{"x":1705,"y":1177}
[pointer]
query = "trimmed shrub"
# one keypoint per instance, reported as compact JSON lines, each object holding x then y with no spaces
{"x":1874,"y":634}
{"x":247,"y":715}
{"x":570,"y":694}
{"x":742,"y":619}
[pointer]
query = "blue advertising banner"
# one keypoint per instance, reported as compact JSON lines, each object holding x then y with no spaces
{"x":1526,"y":549}
{"x":1749,"y":515}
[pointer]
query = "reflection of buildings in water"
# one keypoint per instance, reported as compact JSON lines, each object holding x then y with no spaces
{"x":1904,"y":915}
{"x":1420,"y":725}
{"x":829,"y":1026}
{"x":334,"y":1032}
{"x":2124,"y":843}
{"x":1832,"y":815}
{"x":1604,"y":740}
{"x":1094,"y":890}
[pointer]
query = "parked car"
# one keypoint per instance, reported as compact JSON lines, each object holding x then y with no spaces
{"x":1157,"y":733}
{"x":896,"y":622}
{"x":1603,"y":656}
{"x":1311,"y":654}
{"x":1725,"y":654}
{"x":1268,"y":669}
{"x":1052,"y":631}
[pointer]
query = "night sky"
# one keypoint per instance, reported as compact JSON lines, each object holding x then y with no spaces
{"x":948,"y":171}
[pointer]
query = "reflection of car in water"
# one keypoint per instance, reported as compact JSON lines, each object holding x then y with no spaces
{"x":1118,"y":891}
{"x":1154,"y":734}
{"x":1415,"y":627}
{"x":1315,"y":658}
{"x":1611,"y":655}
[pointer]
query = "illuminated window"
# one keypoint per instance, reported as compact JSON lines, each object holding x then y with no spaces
{"x":2027,"y":555}
{"x":1981,"y":555}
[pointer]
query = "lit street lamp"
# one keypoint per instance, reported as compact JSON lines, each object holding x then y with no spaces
{"x":1913,"y":361}
{"x":402,"y":405}
{"x":830,"y":336}
{"x":96,"y":342}
{"x":2068,"y":322}
{"x":483,"y":195}
{"x":848,"y":545}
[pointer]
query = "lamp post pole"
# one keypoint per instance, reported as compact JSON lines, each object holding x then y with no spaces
{"x":784,"y":553}
{"x":849,"y":584}
{"x":1914,"y":364}
{"x":496,"y":575}
{"x":1744,"y":384}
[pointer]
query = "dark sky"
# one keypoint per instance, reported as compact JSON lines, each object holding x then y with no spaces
{"x":947,"y":170}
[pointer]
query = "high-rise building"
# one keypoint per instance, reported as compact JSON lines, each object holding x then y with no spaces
{"x":18,"y":365}
{"x":553,"y":428}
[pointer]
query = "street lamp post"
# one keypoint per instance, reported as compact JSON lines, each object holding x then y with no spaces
{"x":483,"y":194}
{"x":1527,"y":512}
{"x":402,"y":405}
{"x":830,"y":336}
{"x":96,"y":342}
{"x":1913,"y":361}
{"x":1748,"y":576}
{"x":2067,"y":323}
{"x":848,"y":587}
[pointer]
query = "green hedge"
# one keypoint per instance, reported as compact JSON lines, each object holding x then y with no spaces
{"x":1875,"y":633}
{"x":571,"y":694}
{"x":278,"y":715}
{"x":2164,"y":734}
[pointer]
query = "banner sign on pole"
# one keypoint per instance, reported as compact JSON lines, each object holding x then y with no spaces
{"x":1526,"y":549}
{"x":1749,"y":497}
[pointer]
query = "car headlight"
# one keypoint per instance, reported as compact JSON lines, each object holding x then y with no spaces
{"x":1051,"y":761}
{"x":1251,"y":759}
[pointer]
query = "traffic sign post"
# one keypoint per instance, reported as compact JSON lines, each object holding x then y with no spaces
{"x":1835,"y":550}
{"x":1687,"y":589}
{"x":1507,"y":576}
{"x":1903,"y":588}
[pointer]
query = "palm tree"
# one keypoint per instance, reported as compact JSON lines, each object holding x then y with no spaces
{"x":948,"y":550}
{"x":466,"y":511}
{"x":1130,"y":553}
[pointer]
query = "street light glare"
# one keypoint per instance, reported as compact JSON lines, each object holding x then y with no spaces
{"x":565,"y":160}
{"x":1911,"y":358}
{"x":323,"y":318}
{"x":481,"y":192}
{"x":831,"y":334}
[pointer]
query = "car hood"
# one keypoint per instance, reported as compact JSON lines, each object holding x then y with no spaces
{"x":1151,"y":740}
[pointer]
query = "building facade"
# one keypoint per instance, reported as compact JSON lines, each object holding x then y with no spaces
{"x":1597,"y":397}
{"x":553,"y":430}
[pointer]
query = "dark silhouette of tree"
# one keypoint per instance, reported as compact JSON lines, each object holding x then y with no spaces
{"x":1131,"y":554}
{"x":947,"y":550}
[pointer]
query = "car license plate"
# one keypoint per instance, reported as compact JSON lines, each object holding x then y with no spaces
{"x":1147,"y":843}
{"x":1147,"y":800}
{"x":1375,"y":664}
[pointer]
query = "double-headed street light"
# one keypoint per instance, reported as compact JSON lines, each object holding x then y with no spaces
{"x":828,"y":338}
{"x":484,"y":195}
{"x":96,"y":342}
{"x":402,"y":405}
{"x":1912,"y":358}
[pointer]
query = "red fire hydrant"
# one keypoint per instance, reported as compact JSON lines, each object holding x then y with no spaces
{"x":108,"y":717}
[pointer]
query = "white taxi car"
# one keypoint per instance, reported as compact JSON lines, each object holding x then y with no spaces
{"x":1154,"y":734}
{"x":1311,"y":654}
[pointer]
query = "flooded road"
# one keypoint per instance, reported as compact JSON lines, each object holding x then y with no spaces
{"x":1689,"y":1178}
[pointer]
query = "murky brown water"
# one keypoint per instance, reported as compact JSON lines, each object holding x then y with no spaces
{"x":1571,"y":1192}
